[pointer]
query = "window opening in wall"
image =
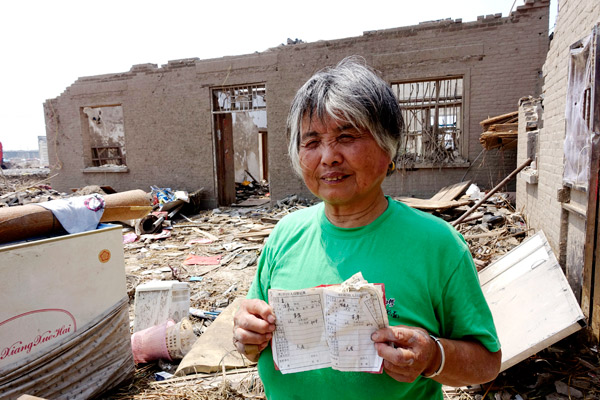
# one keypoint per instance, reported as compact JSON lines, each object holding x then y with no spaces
{"x":107,"y":155}
{"x":106,"y":136}
{"x":240,"y":134}
{"x":433,"y":113}
{"x":239,"y":98}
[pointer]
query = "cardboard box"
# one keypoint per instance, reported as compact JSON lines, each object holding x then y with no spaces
{"x":52,"y":287}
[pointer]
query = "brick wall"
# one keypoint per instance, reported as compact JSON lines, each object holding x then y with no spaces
{"x":575,"y":20}
{"x":167,"y":109}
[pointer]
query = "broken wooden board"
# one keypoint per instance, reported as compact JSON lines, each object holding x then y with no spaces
{"x":500,"y":118}
{"x":531,"y":301}
{"x":214,"y":350}
{"x":451,"y":192}
{"x":506,"y":127}
{"x":492,"y":140}
{"x":428,"y":204}
{"x":442,"y":200}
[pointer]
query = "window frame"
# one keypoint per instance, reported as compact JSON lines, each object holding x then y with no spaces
{"x":461,"y":147}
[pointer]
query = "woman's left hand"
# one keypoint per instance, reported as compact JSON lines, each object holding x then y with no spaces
{"x":407,"y":352}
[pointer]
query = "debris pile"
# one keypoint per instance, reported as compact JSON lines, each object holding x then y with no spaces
{"x":215,"y":253}
{"x":25,"y":189}
{"x":491,"y":231}
{"x":566,"y":370}
{"x":494,"y":230}
{"x":247,"y":189}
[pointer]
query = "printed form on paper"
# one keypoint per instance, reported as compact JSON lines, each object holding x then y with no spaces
{"x":328,"y":326}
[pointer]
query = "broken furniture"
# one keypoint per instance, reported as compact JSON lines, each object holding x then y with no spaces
{"x":531,"y":301}
{"x":64,"y":324}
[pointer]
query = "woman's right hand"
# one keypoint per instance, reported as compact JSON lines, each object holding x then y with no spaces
{"x":253,"y":326}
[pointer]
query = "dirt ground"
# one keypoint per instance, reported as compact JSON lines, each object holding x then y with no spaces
{"x":568,"y":370}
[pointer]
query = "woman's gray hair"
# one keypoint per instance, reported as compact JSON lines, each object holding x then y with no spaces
{"x":349,"y":92}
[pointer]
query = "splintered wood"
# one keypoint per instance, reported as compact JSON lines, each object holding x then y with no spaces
{"x":500,"y":131}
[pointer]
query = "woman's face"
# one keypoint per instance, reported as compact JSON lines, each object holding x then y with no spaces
{"x":341,"y":165}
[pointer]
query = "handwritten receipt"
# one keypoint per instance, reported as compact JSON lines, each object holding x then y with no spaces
{"x":328,"y":326}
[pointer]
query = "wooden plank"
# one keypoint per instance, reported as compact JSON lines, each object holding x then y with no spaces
{"x":428,"y":204}
{"x":504,"y":127}
{"x":451,"y":192}
{"x":531,"y":301}
{"x":591,"y":277}
{"x":490,"y":140}
{"x":580,"y":212}
{"x":499,"y":118}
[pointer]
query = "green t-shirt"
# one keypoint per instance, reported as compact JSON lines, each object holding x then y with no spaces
{"x":429,"y":277}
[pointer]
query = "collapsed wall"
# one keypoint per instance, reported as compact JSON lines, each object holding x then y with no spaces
{"x":173,"y":132}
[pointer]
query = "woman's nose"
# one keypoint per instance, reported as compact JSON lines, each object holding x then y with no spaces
{"x":331,"y":154}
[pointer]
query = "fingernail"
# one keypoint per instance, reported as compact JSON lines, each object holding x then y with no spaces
{"x":271,"y":319}
{"x":375,"y":336}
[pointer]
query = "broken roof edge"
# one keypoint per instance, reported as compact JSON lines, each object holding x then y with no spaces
{"x":170,"y":65}
{"x":145,"y":68}
{"x":482,"y":19}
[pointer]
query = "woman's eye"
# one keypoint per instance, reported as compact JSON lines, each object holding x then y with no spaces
{"x":345,"y":138}
{"x":311,"y":144}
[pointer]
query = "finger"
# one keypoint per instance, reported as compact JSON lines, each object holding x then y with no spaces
{"x":399,"y":356}
{"x":247,"y":319}
{"x":260,"y":309}
{"x":400,"y":336}
{"x":250,"y":323}
{"x":248,"y":337}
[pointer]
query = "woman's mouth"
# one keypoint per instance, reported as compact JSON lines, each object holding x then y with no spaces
{"x":333,"y":178}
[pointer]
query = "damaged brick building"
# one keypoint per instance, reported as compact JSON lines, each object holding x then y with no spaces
{"x":560,"y":132}
{"x":194,"y":123}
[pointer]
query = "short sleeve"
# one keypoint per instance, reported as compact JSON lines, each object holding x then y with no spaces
{"x":260,"y":284}
{"x":463,"y":311}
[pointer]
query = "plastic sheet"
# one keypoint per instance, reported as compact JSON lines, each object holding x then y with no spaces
{"x":578,"y":139}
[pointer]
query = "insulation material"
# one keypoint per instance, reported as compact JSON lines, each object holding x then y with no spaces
{"x":578,"y":140}
{"x":97,"y":358}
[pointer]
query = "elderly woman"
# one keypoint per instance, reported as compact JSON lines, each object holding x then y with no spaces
{"x":345,"y":127}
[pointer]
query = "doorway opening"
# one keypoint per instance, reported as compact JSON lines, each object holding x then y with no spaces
{"x":241,"y":147}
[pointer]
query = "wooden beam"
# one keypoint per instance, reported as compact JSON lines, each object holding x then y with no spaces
{"x":498,"y":118}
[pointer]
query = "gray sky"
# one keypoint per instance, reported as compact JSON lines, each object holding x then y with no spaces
{"x":48,"y":44}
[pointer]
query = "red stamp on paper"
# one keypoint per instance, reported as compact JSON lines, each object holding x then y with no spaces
{"x":104,"y":256}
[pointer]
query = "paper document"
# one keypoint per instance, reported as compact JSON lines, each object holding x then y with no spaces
{"x":328,"y":326}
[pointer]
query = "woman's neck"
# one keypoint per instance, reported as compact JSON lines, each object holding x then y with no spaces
{"x":356,"y":215}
